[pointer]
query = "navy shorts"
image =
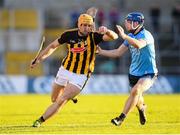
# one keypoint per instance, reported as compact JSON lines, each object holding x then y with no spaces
{"x":134,"y":79}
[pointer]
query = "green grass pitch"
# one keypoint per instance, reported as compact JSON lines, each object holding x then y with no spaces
{"x":91,"y":115}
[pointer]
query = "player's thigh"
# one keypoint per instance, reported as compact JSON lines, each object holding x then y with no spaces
{"x":57,"y":90}
{"x":144,"y":84}
{"x":69,"y":92}
{"x":60,"y":82}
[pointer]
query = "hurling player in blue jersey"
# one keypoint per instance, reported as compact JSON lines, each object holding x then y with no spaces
{"x":143,"y":71}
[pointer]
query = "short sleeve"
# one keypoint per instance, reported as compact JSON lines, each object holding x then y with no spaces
{"x":146,"y":36}
{"x":126,"y":42}
{"x":141,"y":36}
{"x":64,"y":38}
{"x":98,"y":38}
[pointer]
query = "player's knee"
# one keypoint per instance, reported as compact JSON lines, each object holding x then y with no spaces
{"x":53,"y":98}
{"x":135,"y":91}
{"x":61,"y":100}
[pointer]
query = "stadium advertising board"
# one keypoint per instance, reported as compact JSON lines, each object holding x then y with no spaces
{"x":97,"y":84}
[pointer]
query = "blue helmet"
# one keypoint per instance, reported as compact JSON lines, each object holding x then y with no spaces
{"x":135,"y":17}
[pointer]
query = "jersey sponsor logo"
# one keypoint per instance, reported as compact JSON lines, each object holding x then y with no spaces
{"x":79,"y":49}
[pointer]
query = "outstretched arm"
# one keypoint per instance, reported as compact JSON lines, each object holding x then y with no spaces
{"x":46,"y":52}
{"x":132,"y":41}
{"x":113,"y":53}
{"x":109,"y":35}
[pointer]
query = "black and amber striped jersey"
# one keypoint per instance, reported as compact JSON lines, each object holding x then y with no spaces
{"x":80,"y":58}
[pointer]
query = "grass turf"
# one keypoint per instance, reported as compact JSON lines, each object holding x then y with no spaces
{"x":91,"y":115}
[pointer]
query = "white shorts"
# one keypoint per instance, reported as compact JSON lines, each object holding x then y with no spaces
{"x":64,"y":77}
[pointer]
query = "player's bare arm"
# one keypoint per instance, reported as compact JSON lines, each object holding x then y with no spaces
{"x":132,"y":41}
{"x":113,"y":53}
{"x":109,"y":35}
{"x":46,"y":52}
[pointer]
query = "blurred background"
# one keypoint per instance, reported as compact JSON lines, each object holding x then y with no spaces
{"x":24,"y":22}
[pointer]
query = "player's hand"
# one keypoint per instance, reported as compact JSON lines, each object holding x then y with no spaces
{"x":34,"y":63}
{"x":121,"y":31}
{"x":103,"y":30}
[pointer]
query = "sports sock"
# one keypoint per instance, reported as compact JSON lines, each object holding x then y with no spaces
{"x":41,"y":119}
{"x":122,"y":116}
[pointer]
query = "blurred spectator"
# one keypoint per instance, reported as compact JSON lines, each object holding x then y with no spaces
{"x":100,"y":17}
{"x":74,"y":17}
{"x":1,"y":3}
{"x":52,"y":19}
{"x":1,"y":63}
{"x":107,"y":67}
{"x":114,"y":17}
{"x":176,"y":23}
{"x":155,"y":15}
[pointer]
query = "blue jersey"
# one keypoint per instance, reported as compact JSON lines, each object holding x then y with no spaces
{"x":142,"y":60}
